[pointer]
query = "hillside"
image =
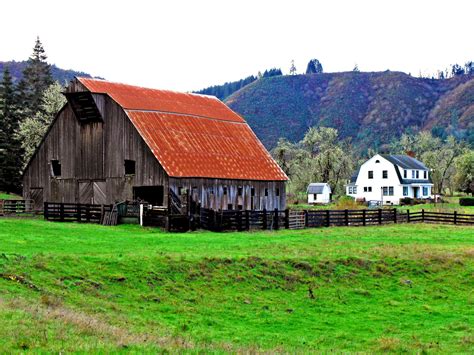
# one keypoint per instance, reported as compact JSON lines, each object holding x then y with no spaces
{"x":60,"y":75}
{"x":371,"y":108}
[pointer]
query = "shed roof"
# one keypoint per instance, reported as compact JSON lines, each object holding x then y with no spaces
{"x":192,"y":135}
{"x":317,"y":187}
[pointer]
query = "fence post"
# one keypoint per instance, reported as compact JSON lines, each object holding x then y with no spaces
{"x":455,"y":217}
{"x":306,"y":218}
{"x":239,"y":220}
{"x":287,"y":218}
{"x":102,"y":213}
{"x":408,"y":216}
{"x":88,"y":213}
{"x":380,"y":216}
{"x":423,"y":215}
{"x":264,"y":223}
{"x":78,"y":212}
{"x":364,"y":217}
{"x":346,"y":217}
{"x":45,"y":210}
{"x":61,"y":212}
{"x":276,"y":219}
{"x":328,"y":217}
{"x":247,"y":220}
{"x":394,"y":215}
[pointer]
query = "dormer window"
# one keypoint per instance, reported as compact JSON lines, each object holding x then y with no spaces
{"x":425,"y":174}
{"x":413,"y":174}
{"x":417,"y":174}
{"x":405,"y":173}
{"x":55,"y":168}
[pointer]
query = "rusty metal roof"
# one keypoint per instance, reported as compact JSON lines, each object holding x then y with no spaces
{"x":192,"y":135}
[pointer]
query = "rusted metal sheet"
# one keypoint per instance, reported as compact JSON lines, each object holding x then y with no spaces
{"x":192,"y":135}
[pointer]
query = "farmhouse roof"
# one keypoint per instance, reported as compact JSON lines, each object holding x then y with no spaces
{"x":316,"y":187}
{"x":405,"y":162}
{"x":192,"y":135}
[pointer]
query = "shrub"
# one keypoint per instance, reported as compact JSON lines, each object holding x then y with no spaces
{"x":406,"y":201}
{"x":347,"y":203}
{"x":466,"y":201}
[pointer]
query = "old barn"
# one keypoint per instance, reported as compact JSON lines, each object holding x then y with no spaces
{"x":113,"y":142}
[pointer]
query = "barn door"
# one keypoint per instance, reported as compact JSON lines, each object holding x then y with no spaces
{"x":86,"y":192}
{"x":36,"y":195}
{"x":92,"y":191}
{"x":98,"y":188}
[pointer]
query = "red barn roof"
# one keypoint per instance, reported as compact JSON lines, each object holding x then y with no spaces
{"x":192,"y":135}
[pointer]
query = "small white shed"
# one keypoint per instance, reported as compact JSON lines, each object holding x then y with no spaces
{"x":319,"y":192}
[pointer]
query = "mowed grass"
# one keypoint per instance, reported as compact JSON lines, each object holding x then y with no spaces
{"x":7,"y":196}
{"x":79,"y":287}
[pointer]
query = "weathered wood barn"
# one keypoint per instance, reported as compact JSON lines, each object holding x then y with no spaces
{"x":113,"y":142}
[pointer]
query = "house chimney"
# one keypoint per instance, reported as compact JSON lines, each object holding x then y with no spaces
{"x":410,"y":153}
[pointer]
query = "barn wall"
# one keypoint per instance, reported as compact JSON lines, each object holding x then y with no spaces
{"x":92,"y":156}
{"x":210,"y":193}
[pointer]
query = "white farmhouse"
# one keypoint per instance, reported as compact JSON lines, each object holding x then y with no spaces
{"x":388,"y":178}
{"x":319,"y":193}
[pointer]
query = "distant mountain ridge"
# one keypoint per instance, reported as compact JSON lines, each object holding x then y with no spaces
{"x":372,"y":108}
{"x":61,"y":75}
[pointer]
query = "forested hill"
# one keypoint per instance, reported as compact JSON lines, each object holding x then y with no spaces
{"x":372,"y":108}
{"x":60,"y":75}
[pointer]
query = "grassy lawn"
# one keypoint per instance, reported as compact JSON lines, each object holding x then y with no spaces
{"x":79,"y":287}
{"x":6,"y":196}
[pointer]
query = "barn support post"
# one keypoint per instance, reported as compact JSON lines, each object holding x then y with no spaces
{"x":287,"y":219}
{"x":247,"y":220}
{"x":328,"y":218}
{"x":380,"y":216}
{"x":346,"y":217}
{"x":276,"y":218}
{"x":364,"y":222}
{"x":264,"y":222}
{"x":394,"y":215}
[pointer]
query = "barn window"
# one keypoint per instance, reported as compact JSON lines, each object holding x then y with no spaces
{"x":229,"y":206}
{"x":180,"y":190}
{"x":266,"y":192}
{"x":277,"y":192}
{"x":56,"y":167}
{"x":252,"y":191}
{"x":240,"y":207}
{"x":129,"y":167}
{"x":239,"y":190}
{"x":225,"y":190}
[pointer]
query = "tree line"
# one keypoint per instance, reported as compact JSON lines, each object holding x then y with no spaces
{"x":26,"y":111}
{"x":321,"y":156}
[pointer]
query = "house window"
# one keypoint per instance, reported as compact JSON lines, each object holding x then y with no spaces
{"x":266,"y":192}
{"x":377,"y":161}
{"x":239,"y":190}
{"x":371,"y":174}
{"x":129,"y":167}
{"x":349,"y":189}
{"x":413,"y":174}
{"x":354,"y":190}
{"x":425,"y":191}
{"x":55,"y":167}
{"x":385,"y":191}
{"x":384,"y":174}
{"x":425,"y":174}
{"x":365,"y":188}
{"x":390,"y":190}
{"x":277,"y":192}
{"x":405,"y":190}
{"x":405,"y":173}
{"x":417,"y":174}
{"x":224,"y":190}
{"x":369,"y":188}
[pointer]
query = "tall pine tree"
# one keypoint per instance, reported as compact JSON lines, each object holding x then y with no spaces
{"x":36,"y":79}
{"x":10,"y":147}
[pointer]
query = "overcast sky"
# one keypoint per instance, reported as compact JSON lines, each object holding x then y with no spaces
{"x":188,"y":45}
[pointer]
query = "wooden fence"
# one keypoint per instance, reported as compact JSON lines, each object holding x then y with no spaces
{"x":70,"y":212}
{"x":16,"y":207}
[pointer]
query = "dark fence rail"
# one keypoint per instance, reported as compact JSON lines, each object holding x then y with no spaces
{"x":69,"y":212}
{"x":16,"y":207}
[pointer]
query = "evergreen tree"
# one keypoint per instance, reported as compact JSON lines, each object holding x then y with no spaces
{"x":10,"y":147}
{"x":314,"y":67}
{"x":36,"y":79}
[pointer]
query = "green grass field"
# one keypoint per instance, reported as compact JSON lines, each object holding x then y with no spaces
{"x":6,"y":196}
{"x":79,"y":287}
